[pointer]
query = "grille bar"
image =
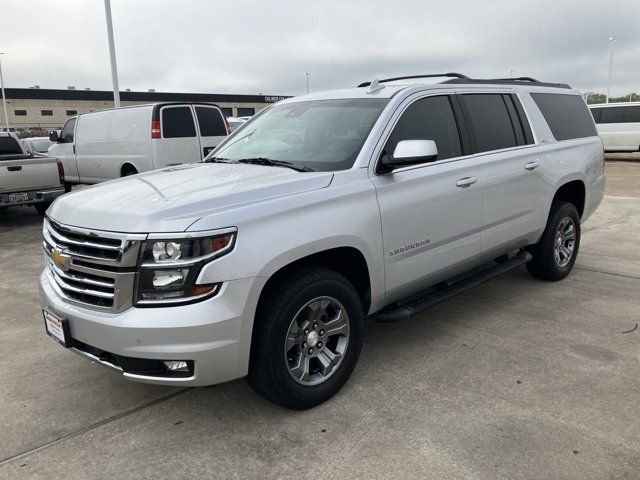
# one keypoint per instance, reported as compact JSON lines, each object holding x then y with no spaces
{"x":102,"y":278}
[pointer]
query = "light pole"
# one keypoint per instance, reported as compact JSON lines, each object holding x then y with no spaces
{"x":4,"y":97}
{"x":307,"y":75}
{"x":112,"y":54}
{"x":612,"y":42}
{"x":510,"y":73}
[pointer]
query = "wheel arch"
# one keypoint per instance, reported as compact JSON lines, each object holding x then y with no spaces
{"x":126,"y":167}
{"x":572,"y":191}
{"x":349,"y":261}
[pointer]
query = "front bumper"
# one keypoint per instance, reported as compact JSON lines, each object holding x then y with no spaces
{"x":35,"y":196}
{"x":214,"y":334}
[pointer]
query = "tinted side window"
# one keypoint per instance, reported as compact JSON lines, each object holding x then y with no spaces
{"x":177,"y":122}
{"x":597,"y":114}
{"x":490,"y":121}
{"x":611,"y":115}
{"x":66,"y":135}
{"x":567,"y":115}
{"x":211,"y":122}
{"x":429,"y":118}
{"x":631,"y":114}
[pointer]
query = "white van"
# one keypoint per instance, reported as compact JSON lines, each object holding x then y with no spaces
{"x":618,"y":125}
{"x":99,"y":146}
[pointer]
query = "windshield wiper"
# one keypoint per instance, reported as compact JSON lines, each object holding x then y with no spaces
{"x":217,"y":160}
{"x":274,"y":163}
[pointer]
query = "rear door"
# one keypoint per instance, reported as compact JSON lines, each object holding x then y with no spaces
{"x":631,"y":127}
{"x":611,"y":129}
{"x":512,"y":187}
{"x":179,"y":141}
{"x":65,"y":150}
{"x":211,"y":126}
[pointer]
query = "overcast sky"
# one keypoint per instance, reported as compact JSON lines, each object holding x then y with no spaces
{"x":237,"y":46}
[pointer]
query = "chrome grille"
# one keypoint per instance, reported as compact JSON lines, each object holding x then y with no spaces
{"x":91,"y":268}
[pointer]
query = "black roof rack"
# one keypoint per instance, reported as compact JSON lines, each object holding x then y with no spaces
{"x":507,"y":81}
{"x":431,"y":75}
{"x":458,"y":78}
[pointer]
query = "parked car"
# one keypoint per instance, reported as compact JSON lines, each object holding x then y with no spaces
{"x":38,"y":146}
{"x":618,"y":125}
{"x":109,"y":144}
{"x":235,"y":123}
{"x":26,"y":179}
{"x":326,"y":209}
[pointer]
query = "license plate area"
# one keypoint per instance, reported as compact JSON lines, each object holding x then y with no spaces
{"x":57,"y":328}
{"x":18,"y":197}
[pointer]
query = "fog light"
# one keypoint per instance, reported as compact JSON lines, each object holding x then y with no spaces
{"x":176,"y":365}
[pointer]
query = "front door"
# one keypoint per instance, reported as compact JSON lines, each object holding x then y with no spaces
{"x":65,"y":151}
{"x":430,"y":213}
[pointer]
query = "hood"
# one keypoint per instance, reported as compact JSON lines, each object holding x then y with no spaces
{"x":171,"y":199}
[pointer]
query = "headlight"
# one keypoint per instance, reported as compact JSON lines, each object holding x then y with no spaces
{"x":169,"y":268}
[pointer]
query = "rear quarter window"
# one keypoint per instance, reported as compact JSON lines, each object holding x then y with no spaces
{"x":631,"y":114}
{"x":567,"y":115}
{"x":211,"y":122}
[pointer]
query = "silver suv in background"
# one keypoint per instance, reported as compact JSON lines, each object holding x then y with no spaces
{"x":321,"y":211}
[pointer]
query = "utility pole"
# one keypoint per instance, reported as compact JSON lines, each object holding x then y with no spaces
{"x":307,"y":75}
{"x":612,"y":42}
{"x":4,"y":97}
{"x":112,"y":54}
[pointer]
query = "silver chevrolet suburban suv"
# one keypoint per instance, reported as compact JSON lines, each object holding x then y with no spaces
{"x":322,"y":211}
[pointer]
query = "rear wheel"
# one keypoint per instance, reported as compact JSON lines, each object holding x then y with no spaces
{"x":129,"y":170}
{"x":307,"y":339}
{"x":556,"y":252}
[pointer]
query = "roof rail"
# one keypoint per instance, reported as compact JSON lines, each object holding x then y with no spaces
{"x":433,"y":75}
{"x":507,"y":81}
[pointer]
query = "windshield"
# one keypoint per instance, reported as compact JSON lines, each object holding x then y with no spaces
{"x":322,"y":135}
{"x":41,"y":145}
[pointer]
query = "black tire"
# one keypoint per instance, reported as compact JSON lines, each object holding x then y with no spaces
{"x":268,"y":370}
{"x":42,"y":207}
{"x":128,"y":171}
{"x":544,"y":264}
{"x":67,"y":187}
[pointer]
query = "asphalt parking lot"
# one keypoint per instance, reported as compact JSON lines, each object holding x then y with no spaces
{"x":515,"y":379}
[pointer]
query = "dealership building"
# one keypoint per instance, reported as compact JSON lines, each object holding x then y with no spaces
{"x":47,"y":108}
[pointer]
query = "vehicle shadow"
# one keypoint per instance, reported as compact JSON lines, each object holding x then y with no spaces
{"x":19,"y":217}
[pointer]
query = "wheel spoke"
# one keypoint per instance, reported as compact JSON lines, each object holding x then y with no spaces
{"x":318,"y":308}
{"x":301,"y":371}
{"x":328,"y":360}
{"x":338,"y":325}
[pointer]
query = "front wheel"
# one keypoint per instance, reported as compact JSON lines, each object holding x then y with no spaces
{"x":307,"y":339}
{"x":556,"y":252}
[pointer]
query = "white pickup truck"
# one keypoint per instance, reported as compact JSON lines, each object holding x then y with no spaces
{"x":26,"y":179}
{"x":322,"y":210}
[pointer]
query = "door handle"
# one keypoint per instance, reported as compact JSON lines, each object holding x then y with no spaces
{"x":14,"y":169}
{"x":531,"y":166}
{"x":466,"y":182}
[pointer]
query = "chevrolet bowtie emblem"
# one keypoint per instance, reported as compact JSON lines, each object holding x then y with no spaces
{"x":60,"y":260}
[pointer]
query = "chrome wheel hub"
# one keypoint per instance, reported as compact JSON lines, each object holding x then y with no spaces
{"x":565,"y":242}
{"x":317,"y":340}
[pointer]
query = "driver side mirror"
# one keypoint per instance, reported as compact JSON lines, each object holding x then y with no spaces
{"x":53,"y":136}
{"x":409,"y":152}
